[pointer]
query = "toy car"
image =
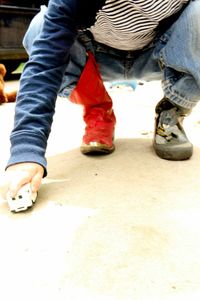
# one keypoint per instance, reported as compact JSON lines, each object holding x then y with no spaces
{"x":23,"y":200}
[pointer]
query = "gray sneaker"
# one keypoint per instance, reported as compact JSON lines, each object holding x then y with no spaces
{"x":170,"y":141}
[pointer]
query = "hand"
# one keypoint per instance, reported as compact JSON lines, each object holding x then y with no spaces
{"x":19,"y":174}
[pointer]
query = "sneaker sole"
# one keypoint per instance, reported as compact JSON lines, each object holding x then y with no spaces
{"x":96,"y":148}
{"x":175,"y":152}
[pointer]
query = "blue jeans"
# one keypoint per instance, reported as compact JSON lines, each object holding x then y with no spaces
{"x":173,"y":57}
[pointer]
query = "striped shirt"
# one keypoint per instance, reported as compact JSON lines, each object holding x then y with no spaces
{"x":131,"y":24}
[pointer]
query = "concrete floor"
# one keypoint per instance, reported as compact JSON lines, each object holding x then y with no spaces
{"x":120,"y":227}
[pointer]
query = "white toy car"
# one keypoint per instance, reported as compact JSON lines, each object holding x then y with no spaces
{"x":23,"y":200}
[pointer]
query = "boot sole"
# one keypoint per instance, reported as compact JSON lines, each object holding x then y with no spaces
{"x":175,"y":152}
{"x":96,"y":148}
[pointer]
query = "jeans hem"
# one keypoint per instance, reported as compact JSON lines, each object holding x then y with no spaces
{"x":175,"y":97}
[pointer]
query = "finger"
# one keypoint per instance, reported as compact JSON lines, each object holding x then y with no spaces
{"x":36,"y":182}
{"x":4,"y":184}
{"x":11,"y":183}
{"x":17,"y":183}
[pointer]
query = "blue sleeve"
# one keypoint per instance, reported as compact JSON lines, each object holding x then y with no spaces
{"x":40,"y":82}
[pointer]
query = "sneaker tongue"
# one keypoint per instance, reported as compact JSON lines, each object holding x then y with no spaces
{"x":168,"y":117}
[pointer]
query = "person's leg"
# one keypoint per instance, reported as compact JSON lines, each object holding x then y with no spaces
{"x":82,"y":84}
{"x":174,"y":58}
{"x":180,"y":58}
{"x":98,"y":113}
{"x":180,"y":63}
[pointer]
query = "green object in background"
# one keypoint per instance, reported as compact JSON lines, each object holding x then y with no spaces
{"x":19,"y":69}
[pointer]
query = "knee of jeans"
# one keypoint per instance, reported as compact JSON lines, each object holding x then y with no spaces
{"x":34,"y":29}
{"x":192,"y":13}
{"x":26,"y":43}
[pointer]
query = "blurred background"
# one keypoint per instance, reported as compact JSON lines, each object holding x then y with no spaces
{"x":15,"y":17}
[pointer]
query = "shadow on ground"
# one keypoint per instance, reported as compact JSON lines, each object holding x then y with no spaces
{"x":132,"y":174}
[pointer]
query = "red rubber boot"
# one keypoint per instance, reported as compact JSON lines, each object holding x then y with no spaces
{"x":98,"y":113}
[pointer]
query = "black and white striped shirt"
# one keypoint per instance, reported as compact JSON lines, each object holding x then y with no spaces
{"x":130,"y":24}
